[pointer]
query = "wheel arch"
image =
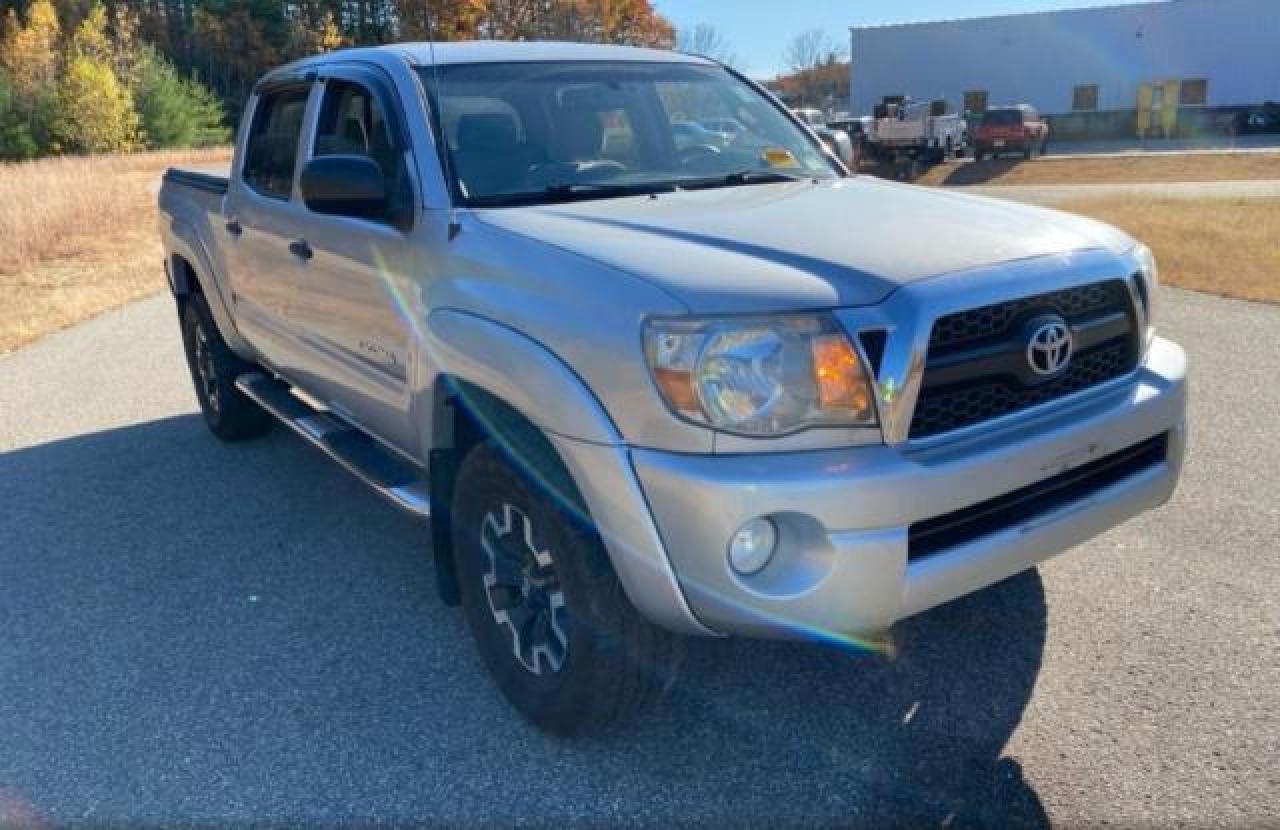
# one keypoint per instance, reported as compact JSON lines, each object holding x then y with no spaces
{"x":489,"y":378}
{"x":189,"y":271}
{"x":464,"y":415}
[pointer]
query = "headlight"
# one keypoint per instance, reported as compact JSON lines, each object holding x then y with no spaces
{"x":1150,"y":280}
{"x":760,"y":376}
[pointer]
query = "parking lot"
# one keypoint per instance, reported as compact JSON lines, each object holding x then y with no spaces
{"x":197,"y":634}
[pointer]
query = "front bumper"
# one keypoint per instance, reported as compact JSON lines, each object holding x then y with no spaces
{"x":842,"y":568}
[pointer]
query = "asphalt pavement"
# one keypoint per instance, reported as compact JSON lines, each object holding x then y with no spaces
{"x":202,"y":635}
{"x":1055,"y":194}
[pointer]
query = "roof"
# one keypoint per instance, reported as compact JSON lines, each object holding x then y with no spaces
{"x":501,"y":51}
{"x":494,"y":51}
{"x":1088,"y":10}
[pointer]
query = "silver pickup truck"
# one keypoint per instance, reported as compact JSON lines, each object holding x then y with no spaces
{"x":648,"y":388}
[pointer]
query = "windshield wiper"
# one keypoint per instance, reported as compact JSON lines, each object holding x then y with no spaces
{"x":572,"y":191}
{"x":740,"y":177}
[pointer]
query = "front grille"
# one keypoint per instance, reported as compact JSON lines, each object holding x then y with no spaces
{"x":994,"y":515}
{"x":976,"y":370}
{"x":961,"y":406}
{"x":967,"y":327}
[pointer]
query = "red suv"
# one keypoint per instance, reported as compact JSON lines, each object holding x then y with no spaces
{"x":1017,"y":129}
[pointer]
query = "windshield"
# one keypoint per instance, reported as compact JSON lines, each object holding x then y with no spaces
{"x":1001,"y":118}
{"x":524,"y":133}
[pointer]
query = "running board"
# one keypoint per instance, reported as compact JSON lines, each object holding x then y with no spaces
{"x":394,"y":479}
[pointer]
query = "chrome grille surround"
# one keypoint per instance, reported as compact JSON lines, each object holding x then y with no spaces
{"x":908,"y":315}
{"x":976,"y":369}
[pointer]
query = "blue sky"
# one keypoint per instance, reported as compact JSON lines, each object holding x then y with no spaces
{"x":758,"y":30}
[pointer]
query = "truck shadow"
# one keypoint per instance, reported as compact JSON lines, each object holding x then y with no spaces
{"x":957,"y":174}
{"x":212,"y":635}
{"x":980,"y":172}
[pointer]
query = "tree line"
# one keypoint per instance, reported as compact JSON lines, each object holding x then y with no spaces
{"x":90,"y":84}
{"x":87,"y":76}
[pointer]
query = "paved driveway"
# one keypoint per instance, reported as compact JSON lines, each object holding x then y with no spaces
{"x":196,"y":634}
{"x":1054,"y":194}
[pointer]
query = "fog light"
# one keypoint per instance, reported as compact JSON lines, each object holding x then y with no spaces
{"x":752,"y":546}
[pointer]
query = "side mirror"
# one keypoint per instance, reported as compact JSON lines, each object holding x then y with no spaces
{"x":348,"y":185}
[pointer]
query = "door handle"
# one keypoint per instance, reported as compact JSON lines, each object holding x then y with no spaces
{"x":233,"y":228}
{"x":300,"y":249}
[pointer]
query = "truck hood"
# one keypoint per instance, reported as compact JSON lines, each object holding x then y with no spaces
{"x":793,"y":246}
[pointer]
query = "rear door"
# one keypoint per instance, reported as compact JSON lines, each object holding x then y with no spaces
{"x":353,"y":308}
{"x":263,"y":220}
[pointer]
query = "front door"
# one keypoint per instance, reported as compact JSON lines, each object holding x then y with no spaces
{"x":354,"y":309}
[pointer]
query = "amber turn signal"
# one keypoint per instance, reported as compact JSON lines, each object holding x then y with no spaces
{"x":838,"y":374}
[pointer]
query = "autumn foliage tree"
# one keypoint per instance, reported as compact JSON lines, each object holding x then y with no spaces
{"x":29,"y":63}
{"x":83,"y":75}
{"x":95,"y":111}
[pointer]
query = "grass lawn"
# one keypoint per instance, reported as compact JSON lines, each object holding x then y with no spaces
{"x":1220,"y":246}
{"x":79,"y":237}
{"x":1199,"y":167}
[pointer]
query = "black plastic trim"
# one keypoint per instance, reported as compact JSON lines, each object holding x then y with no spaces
{"x":994,"y":515}
{"x":199,"y":181}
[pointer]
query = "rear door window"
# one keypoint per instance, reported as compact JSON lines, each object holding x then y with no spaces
{"x":272,"y":147}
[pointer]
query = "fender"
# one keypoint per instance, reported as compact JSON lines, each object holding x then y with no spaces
{"x":533,"y":381}
{"x":183,"y":241}
{"x":516,"y":369}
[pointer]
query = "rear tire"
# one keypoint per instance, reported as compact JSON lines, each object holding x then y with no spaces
{"x":548,"y":614}
{"x":229,"y":414}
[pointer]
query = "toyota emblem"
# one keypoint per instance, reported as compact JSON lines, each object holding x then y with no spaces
{"x":1049,"y":348}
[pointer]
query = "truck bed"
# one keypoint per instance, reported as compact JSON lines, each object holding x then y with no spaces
{"x":212,"y":179}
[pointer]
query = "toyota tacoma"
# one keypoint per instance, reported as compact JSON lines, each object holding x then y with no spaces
{"x":645,"y":388}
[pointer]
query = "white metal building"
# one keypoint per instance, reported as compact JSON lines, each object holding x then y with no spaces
{"x":1223,"y":53}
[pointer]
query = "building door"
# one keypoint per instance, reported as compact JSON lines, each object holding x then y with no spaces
{"x":1169,"y":112}
{"x":1158,"y":108}
{"x":1145,"y":96}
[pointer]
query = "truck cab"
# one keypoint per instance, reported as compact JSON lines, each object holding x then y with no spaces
{"x":645,"y":388}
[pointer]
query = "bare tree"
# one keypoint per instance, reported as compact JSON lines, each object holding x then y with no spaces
{"x":811,"y":49}
{"x":708,"y":41}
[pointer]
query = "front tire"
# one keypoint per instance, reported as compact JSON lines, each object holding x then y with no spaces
{"x":229,"y":414}
{"x":548,"y":614}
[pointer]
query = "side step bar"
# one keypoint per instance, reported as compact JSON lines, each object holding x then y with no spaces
{"x":395,"y":480}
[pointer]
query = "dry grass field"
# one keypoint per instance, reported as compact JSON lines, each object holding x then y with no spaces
{"x":1226,"y":247}
{"x":78,"y":237}
{"x":1197,"y":167}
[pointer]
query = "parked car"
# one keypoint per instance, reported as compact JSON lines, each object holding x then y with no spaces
{"x":813,"y":117}
{"x":837,"y":143}
{"x":860,"y":131}
{"x":646,"y":390}
{"x":1016,"y":129}
{"x":920,"y":130}
{"x":689,"y":134}
{"x":1264,"y":119}
{"x":730,"y":128}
